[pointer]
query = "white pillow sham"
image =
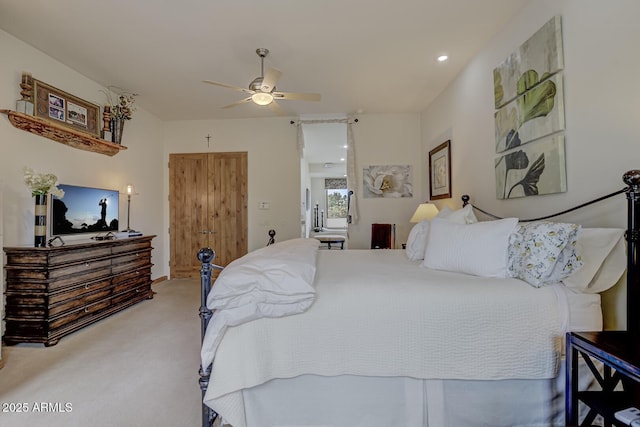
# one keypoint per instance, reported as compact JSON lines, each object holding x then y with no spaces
{"x":604,"y":254}
{"x":463,"y":215}
{"x":417,"y":241}
{"x":479,"y":249}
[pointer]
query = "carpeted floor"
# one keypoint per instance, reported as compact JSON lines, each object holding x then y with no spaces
{"x":136,"y":368}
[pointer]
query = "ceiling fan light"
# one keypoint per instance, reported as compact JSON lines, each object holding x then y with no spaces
{"x":262,"y":98}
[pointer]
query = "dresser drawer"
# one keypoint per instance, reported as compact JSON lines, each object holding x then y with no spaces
{"x":42,"y":273}
{"x":63,"y":258}
{"x":82,"y":267}
{"x":77,"y":291}
{"x":136,"y":273}
{"x":137,"y":246}
{"x":24,"y":307}
{"x":131,"y":284}
{"x":80,"y":278}
{"x":78,"y":313}
{"x":80,"y":301}
{"x":137,"y":293}
{"x":130,"y":257}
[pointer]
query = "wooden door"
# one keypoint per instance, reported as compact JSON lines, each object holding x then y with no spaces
{"x":208,"y":208}
{"x":227,"y":178}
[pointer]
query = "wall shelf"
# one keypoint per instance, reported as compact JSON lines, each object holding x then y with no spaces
{"x":62,"y":134}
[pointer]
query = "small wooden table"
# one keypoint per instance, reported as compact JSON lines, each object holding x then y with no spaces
{"x":331,"y":239}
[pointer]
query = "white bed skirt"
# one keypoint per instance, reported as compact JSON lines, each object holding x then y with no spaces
{"x":353,"y":401}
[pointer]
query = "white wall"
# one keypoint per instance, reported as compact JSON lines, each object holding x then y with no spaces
{"x":274,"y":168}
{"x":602,"y":111}
{"x":386,"y":139}
{"x":275,"y":171}
{"x":139,"y":165}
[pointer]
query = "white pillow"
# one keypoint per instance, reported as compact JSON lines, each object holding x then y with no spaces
{"x":544,"y":252}
{"x":479,"y":249}
{"x":604,"y":255}
{"x":464,"y":215}
{"x":417,"y":240}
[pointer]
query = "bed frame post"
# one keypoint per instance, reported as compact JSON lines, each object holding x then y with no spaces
{"x":205,"y":256}
{"x":632,"y":179}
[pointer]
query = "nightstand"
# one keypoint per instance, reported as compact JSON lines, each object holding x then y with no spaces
{"x":619,"y":351}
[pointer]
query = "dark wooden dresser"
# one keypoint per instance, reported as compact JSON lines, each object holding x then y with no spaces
{"x":51,"y":292}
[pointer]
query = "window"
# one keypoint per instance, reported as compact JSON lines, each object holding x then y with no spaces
{"x":336,"y":207}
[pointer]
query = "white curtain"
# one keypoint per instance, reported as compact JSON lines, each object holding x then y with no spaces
{"x":352,"y":184}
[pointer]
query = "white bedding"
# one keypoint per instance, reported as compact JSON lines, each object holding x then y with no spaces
{"x":274,"y":281}
{"x":408,"y":402}
{"x":369,"y":322}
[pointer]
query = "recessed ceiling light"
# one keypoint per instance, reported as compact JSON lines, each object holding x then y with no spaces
{"x":342,"y":159}
{"x":442,"y":58}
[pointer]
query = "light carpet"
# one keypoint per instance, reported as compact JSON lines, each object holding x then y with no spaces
{"x":136,"y":368}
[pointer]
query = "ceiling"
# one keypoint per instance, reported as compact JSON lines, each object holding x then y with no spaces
{"x":360,"y":58}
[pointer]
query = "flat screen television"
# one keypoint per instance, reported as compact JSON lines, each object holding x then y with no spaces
{"x":84,"y":210}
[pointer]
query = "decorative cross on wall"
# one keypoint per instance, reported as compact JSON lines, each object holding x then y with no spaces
{"x":208,"y":137}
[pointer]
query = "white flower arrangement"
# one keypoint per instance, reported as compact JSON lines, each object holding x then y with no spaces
{"x":42,"y":183}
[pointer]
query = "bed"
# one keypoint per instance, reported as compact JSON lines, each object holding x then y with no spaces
{"x":446,"y":333}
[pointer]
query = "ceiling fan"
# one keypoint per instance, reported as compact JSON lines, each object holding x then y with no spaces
{"x":262,"y":90}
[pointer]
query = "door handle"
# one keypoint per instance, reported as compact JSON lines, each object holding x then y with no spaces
{"x":207,"y":232}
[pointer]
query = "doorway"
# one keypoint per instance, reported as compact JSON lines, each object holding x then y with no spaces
{"x":208,"y":208}
{"x":325,"y":158}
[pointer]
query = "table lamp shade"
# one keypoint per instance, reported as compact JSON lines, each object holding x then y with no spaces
{"x":424,"y":211}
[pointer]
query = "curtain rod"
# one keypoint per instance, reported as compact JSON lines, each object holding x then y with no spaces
{"x":294,"y":122}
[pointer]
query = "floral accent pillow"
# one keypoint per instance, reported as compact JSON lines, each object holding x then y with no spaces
{"x":543,"y":253}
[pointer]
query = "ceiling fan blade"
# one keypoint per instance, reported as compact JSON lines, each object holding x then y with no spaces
{"x":241,"y":89}
{"x":242,"y":101}
{"x":270,"y":79}
{"x":291,"y":96}
{"x":277,"y":109}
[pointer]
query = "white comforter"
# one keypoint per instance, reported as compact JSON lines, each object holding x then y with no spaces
{"x":274,"y":281}
{"x":378,"y":314}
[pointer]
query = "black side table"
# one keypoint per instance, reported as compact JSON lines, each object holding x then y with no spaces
{"x":619,"y":351}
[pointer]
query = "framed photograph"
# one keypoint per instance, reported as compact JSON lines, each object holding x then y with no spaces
{"x":63,"y":108}
{"x":440,"y":171}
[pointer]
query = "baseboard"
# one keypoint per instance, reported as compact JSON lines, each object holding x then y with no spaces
{"x":159,"y":280}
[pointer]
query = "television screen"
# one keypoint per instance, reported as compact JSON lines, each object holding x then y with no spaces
{"x":84,"y":210}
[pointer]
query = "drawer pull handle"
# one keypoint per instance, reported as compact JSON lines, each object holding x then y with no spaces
{"x":87,"y":286}
{"x":86,"y":309}
{"x":86,"y":264}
